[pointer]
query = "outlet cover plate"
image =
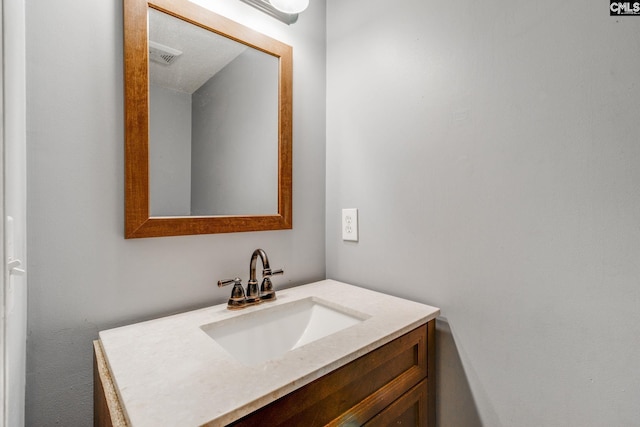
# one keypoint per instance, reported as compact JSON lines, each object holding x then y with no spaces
{"x":350,"y":225}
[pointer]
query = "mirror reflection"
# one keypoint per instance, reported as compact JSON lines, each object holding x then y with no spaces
{"x":213,"y":123}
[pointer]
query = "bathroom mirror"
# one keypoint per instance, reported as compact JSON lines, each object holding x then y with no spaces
{"x":208,"y":123}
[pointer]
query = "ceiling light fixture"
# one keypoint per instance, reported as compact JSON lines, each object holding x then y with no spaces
{"x":290,"y":6}
{"x":279,"y":9}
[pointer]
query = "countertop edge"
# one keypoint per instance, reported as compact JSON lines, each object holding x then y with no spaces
{"x":112,"y":398}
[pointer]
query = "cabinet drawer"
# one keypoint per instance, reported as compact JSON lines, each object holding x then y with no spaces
{"x":355,"y":393}
{"x":410,"y":410}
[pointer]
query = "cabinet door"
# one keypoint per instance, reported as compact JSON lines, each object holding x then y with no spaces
{"x":410,"y":410}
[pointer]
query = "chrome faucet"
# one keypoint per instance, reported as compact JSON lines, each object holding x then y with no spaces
{"x":240,"y":299}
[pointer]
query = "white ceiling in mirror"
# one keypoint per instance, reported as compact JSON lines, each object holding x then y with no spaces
{"x":203,"y":53}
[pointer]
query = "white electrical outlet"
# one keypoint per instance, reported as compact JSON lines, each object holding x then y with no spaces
{"x":350,"y":225}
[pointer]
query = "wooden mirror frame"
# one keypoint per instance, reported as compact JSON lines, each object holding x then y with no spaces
{"x":138,"y":222}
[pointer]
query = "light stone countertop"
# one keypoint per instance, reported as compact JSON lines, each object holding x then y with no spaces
{"x":169,"y":372}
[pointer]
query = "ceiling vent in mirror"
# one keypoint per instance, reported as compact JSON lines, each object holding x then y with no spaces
{"x":162,"y":54}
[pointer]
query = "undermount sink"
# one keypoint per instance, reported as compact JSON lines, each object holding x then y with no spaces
{"x":258,"y":336}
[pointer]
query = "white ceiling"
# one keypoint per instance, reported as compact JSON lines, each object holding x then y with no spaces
{"x":204,"y":53}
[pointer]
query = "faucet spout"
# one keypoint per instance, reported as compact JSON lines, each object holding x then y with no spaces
{"x":254,"y":258}
{"x":253,"y":293}
{"x":266,"y":292}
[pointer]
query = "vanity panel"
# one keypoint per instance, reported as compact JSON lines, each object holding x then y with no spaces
{"x":101,"y":413}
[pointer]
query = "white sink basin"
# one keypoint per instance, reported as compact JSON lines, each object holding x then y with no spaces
{"x":258,"y":336}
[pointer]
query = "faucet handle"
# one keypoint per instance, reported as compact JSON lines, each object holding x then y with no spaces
{"x":237,"y":298}
{"x":267,"y":272}
{"x":226,"y":282}
{"x":267,"y":293}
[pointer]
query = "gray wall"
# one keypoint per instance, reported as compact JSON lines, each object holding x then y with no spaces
{"x":235,"y":139}
{"x":492,"y":149}
{"x":169,"y":151}
{"x":83,"y":275}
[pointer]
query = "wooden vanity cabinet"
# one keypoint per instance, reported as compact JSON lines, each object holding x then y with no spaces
{"x":392,"y":385}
